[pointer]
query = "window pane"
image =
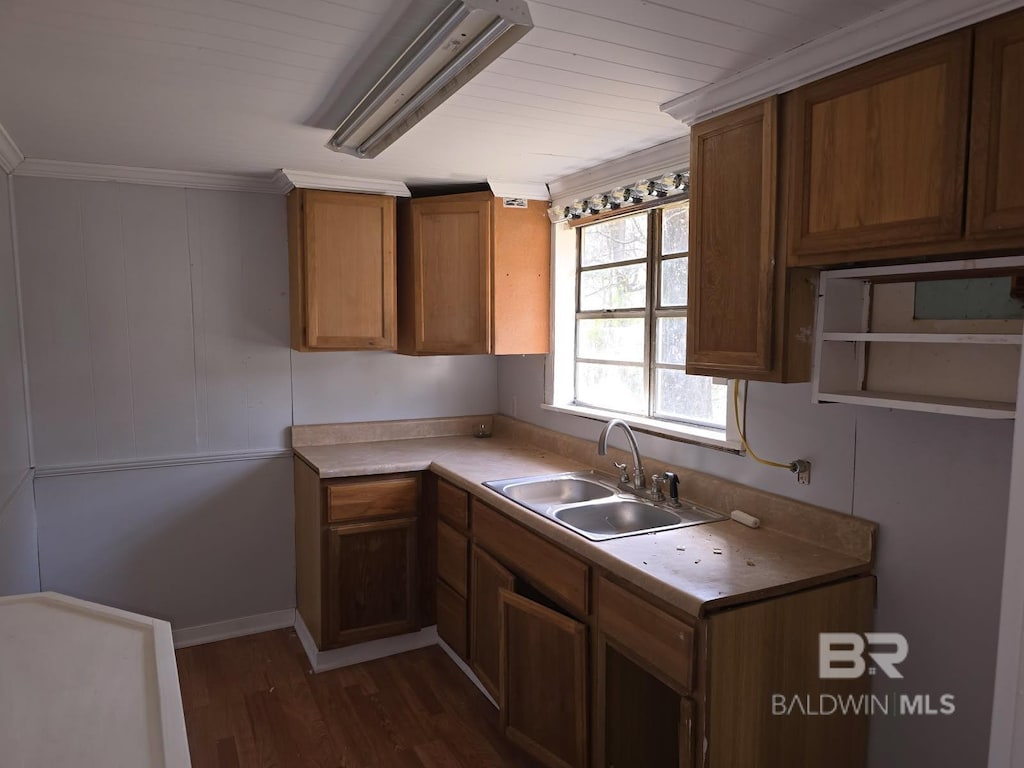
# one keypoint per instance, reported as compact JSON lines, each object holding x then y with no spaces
{"x":620,"y":339}
{"x":690,"y":398}
{"x":674,"y":282}
{"x":675,"y":228}
{"x":615,"y":387}
{"x":614,"y":240}
{"x":614,"y":288}
{"x":672,"y":340}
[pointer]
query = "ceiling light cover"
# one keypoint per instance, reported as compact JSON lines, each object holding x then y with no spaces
{"x":442,"y":56}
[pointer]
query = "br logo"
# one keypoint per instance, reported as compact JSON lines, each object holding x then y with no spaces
{"x":841,"y":655}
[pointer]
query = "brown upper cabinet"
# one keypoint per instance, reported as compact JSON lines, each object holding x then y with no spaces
{"x":341,"y":250}
{"x":474,"y":276}
{"x":747,"y":317}
{"x":996,"y":170}
{"x":877,"y":153}
{"x":878,"y":160}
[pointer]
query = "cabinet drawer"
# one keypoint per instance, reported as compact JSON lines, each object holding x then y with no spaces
{"x":452,"y":504}
{"x":664,"y":642}
{"x":560,"y":575}
{"x":451,"y":618}
{"x":452,"y":553}
{"x":362,"y":499}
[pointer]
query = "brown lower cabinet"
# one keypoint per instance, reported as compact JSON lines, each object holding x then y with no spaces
{"x":592,"y":672}
{"x":363,"y":545}
{"x":543,"y":690}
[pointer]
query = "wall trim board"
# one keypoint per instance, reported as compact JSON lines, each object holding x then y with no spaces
{"x":26,"y":479}
{"x":287,"y":178}
{"x":169,"y":461}
{"x":322,"y":661}
{"x":63,"y":169}
{"x":225,"y":630}
{"x":900,"y":26}
{"x":671,"y":155}
{"x":10,"y":155}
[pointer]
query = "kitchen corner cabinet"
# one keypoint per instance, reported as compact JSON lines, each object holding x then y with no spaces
{"x":996,"y":166}
{"x":341,"y":249}
{"x":357,"y":552}
{"x":474,"y":276}
{"x":877,"y":154}
{"x":453,"y":567}
{"x":748,"y":318}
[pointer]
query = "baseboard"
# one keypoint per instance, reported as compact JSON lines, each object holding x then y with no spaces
{"x":464,"y":667}
{"x":322,"y":661}
{"x":224,"y":630}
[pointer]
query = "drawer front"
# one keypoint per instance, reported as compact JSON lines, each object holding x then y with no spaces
{"x":452,"y":504}
{"x":560,"y":575}
{"x":363,"y":499}
{"x":663,"y":641}
{"x":451,"y":618}
{"x":452,"y":556}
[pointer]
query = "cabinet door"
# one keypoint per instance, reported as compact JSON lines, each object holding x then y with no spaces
{"x":342,"y":253}
{"x":732,"y":242}
{"x":451,"y":280}
{"x":877,"y":154}
{"x":371,"y":581}
{"x":543,"y":681}
{"x":995,"y":197}
{"x":451,"y":618}
{"x":487,"y":579}
{"x":639,"y":720}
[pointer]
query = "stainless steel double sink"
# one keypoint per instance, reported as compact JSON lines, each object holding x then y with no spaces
{"x":592,"y":505}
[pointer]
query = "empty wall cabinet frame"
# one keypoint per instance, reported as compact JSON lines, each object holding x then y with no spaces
{"x":868,"y":353}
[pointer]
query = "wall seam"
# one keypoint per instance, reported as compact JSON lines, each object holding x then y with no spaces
{"x":21,"y":323}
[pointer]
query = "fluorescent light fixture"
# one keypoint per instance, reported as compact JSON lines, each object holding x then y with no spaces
{"x":434,"y":60}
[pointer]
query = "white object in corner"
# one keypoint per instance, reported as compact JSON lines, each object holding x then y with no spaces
{"x":286,"y":179}
{"x":85,"y":684}
{"x":845,"y":326}
{"x":321,"y":661}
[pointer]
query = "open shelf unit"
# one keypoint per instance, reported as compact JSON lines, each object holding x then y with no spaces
{"x":865,"y":357}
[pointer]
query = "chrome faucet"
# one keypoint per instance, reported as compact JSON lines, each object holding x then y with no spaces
{"x":639,"y":482}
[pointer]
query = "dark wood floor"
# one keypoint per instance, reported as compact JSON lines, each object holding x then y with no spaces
{"x":253,"y":702}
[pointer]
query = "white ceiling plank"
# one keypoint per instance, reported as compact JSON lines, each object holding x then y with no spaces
{"x":570,"y":114}
{"x":530,"y":72}
{"x":560,"y":93}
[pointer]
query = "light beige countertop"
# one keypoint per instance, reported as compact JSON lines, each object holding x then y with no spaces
{"x":699,"y":569}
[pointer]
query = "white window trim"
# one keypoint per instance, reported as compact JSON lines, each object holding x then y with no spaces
{"x":558,"y":384}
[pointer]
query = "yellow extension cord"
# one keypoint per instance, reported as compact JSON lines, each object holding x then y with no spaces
{"x":791,"y":466}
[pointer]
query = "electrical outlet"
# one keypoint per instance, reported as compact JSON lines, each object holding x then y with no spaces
{"x":802,"y":467}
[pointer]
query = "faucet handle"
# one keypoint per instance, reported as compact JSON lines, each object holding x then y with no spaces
{"x":657,"y":487}
{"x":623,"y":472}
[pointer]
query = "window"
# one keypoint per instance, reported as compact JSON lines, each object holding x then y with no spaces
{"x":630,"y":325}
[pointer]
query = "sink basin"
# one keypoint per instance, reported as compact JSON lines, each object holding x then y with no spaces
{"x":617,"y":517}
{"x":592,"y":505}
{"x":559,"y":490}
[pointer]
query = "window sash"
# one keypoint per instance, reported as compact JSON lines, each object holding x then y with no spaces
{"x":653,"y":310}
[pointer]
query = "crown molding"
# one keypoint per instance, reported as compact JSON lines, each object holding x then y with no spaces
{"x":529,"y":190}
{"x":287,"y":178}
{"x":901,"y":26}
{"x":60,"y":169}
{"x":672,"y":155}
{"x":10,"y":155}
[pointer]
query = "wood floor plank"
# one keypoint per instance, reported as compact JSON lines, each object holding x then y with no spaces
{"x":253,"y":702}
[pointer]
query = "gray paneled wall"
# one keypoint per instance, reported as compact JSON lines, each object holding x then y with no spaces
{"x":937,"y":485}
{"x":19,"y":567}
{"x":157,"y":326}
{"x":156,"y":320}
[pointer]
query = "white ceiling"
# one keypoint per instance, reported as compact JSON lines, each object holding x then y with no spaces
{"x":225,"y":85}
